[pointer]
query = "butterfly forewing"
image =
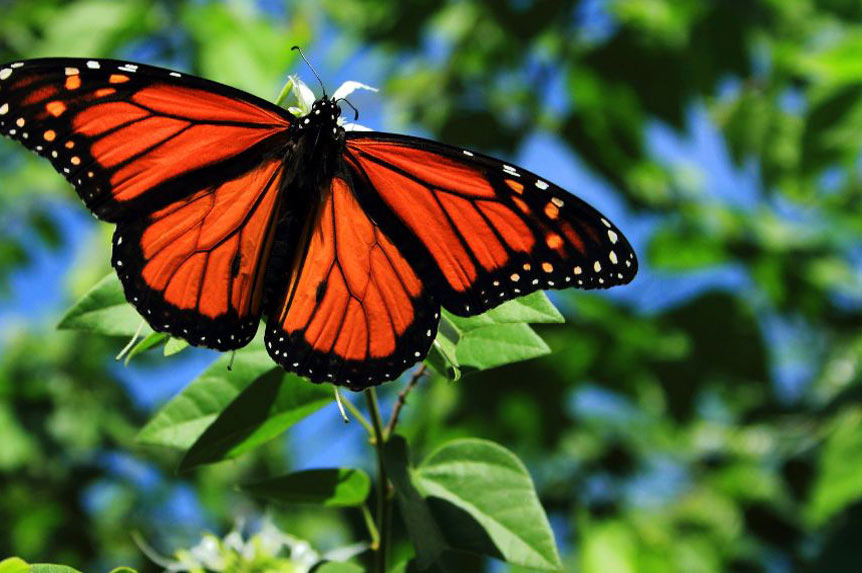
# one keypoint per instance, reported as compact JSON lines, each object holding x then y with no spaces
{"x":481,"y":231}
{"x":133,"y":138}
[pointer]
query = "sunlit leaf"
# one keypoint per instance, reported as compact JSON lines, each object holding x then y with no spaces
{"x":500,"y":344}
{"x":182,"y":420}
{"x":481,"y":480}
{"x":335,"y":567}
{"x":175,"y":345}
{"x":150,"y":341}
{"x":839,"y":481}
{"x":269,"y":406}
{"x":104,"y":310}
{"x":14,"y":565}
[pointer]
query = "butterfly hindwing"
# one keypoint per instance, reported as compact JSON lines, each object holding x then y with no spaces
{"x":355,"y":313}
{"x":479,"y":230}
{"x":133,"y":138}
{"x":196,"y":268}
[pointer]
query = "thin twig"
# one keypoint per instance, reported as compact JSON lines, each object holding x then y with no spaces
{"x":402,"y":399}
{"x":372,"y":527}
{"x":383,"y":515}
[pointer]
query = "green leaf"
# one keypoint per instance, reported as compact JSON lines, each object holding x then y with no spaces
{"x":14,"y":565}
{"x":104,"y":310}
{"x":269,"y":406}
{"x":499,"y":344}
{"x":243,"y":48}
{"x":338,"y":567}
{"x":175,"y":345}
{"x":489,"y":484}
{"x":49,"y":568}
{"x":342,"y":487}
{"x":497,"y":337}
{"x":608,"y":547}
{"x":839,"y":481}
{"x":443,"y":354}
{"x":123,"y":570}
{"x":149,"y":341}
{"x":182,"y":421}
{"x":428,"y":541}
{"x":535,"y":308}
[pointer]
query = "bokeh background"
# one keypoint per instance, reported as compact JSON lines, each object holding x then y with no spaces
{"x":706,"y":417}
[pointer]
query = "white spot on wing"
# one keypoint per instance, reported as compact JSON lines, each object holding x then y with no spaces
{"x":4,"y":109}
{"x":93,"y":65}
{"x":612,"y":236}
{"x":542,"y":185}
{"x":5,"y":73}
{"x":467,"y":153}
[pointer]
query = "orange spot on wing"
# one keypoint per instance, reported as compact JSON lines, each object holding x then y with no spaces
{"x":515,"y":186}
{"x":50,"y":135}
{"x":73,"y":82}
{"x":118,"y":79}
{"x":70,"y":144}
{"x":56,"y":108}
{"x":554,"y":241}
{"x":105,"y":92}
{"x":552,"y":211}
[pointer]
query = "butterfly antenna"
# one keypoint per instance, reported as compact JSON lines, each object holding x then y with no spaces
{"x":351,"y":105}
{"x":301,"y":55}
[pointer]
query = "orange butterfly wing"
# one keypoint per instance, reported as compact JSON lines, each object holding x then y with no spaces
{"x":355,"y":313}
{"x":190,"y":171}
{"x":196,"y":268}
{"x":479,"y":231}
{"x":133,"y":138}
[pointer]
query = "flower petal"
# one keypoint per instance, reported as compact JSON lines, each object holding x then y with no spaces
{"x":304,"y":95}
{"x":350,"y":126}
{"x":349,"y":87}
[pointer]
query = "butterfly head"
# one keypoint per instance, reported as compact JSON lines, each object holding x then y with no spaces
{"x":323,"y":117}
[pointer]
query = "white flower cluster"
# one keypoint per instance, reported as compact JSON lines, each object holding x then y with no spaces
{"x":268,"y":546}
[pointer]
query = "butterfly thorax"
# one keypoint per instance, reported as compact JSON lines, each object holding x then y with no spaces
{"x":319,"y":141}
{"x":312,"y":159}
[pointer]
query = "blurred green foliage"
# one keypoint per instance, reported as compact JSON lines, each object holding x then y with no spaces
{"x":663,"y":438}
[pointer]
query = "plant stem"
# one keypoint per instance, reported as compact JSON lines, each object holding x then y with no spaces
{"x":383,"y":514}
{"x":402,"y":399}
{"x":372,"y":527}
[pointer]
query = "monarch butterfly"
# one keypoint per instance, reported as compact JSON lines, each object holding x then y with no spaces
{"x":228,"y":208}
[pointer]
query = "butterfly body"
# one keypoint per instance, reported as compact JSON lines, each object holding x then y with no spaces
{"x":229,"y":209}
